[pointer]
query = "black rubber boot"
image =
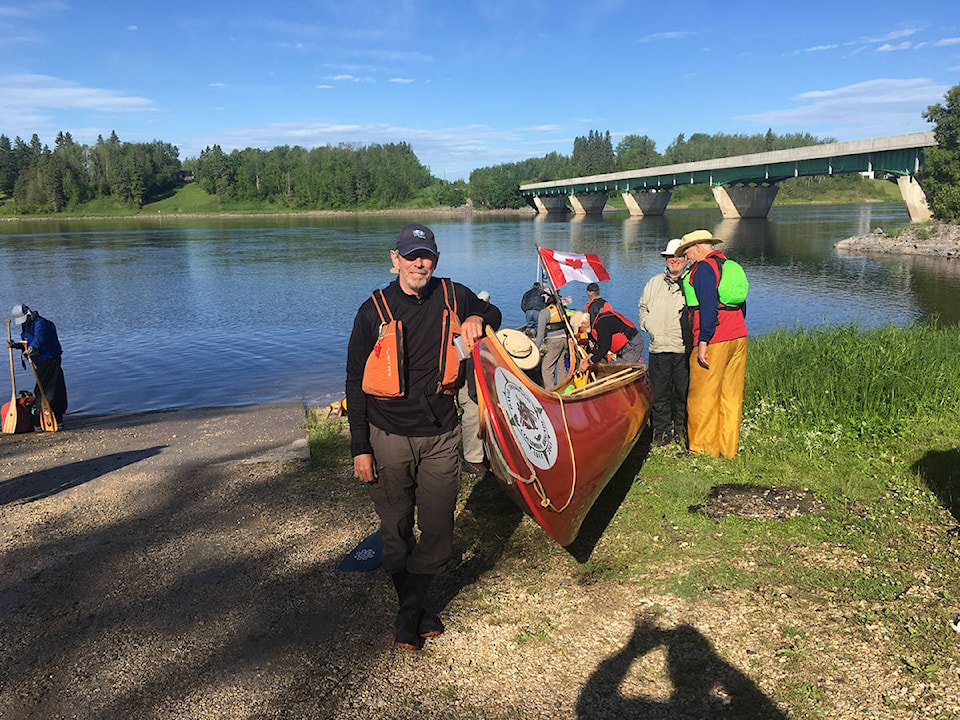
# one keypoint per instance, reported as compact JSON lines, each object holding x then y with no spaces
{"x":430,"y":624}
{"x":399,"y":578}
{"x":410,"y":613}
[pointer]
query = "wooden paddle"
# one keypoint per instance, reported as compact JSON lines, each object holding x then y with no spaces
{"x":10,"y":417}
{"x":48,"y":421}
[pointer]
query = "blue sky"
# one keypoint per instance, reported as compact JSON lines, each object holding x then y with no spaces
{"x":469,"y":84}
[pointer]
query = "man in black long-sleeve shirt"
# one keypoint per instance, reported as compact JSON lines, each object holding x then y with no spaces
{"x":406,"y":448}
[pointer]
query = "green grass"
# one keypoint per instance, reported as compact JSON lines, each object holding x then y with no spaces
{"x":866,"y":419}
{"x":187,"y":200}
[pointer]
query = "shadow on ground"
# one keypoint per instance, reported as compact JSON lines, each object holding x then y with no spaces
{"x":154,"y":611}
{"x":609,"y":501}
{"x":940,"y":470}
{"x":483,"y":528}
{"x":44,"y":483}
{"x":703,"y":684}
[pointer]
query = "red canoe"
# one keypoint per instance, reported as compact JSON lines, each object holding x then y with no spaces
{"x":554,"y":451}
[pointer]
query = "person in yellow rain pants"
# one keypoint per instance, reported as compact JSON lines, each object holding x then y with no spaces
{"x":715,"y":292}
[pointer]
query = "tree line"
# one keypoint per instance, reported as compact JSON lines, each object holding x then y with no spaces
{"x":343,"y":177}
{"x":41,"y":180}
{"x":328,"y":178}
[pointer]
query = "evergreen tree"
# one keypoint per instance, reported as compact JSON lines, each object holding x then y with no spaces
{"x":8,"y":173}
{"x":593,"y":155}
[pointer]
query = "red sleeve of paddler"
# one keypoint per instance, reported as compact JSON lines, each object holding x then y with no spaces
{"x":361,"y":343}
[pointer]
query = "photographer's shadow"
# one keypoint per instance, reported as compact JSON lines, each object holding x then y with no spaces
{"x":483,"y":529}
{"x":940,"y":470}
{"x":704,"y":685}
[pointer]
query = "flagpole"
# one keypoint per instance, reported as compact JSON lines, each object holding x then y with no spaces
{"x":579,"y":351}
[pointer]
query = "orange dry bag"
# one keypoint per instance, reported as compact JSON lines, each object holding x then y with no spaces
{"x":383,"y":374}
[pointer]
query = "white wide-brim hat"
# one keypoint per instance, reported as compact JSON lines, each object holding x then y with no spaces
{"x":520,"y":347}
{"x":671,"y":249}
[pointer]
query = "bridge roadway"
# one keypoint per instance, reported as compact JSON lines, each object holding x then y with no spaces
{"x":744,"y":186}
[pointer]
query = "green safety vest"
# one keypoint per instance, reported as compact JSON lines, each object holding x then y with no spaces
{"x":732,"y":287}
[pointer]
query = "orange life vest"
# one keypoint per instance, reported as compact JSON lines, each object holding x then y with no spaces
{"x":384,"y":374}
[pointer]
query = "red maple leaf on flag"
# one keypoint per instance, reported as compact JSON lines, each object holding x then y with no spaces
{"x":575,"y":263}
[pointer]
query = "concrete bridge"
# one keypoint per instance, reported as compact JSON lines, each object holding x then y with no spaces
{"x":744,"y":186}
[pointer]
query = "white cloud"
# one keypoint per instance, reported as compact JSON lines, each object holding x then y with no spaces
{"x":881,"y":107}
{"x":669,"y":35}
{"x":401,"y":81}
{"x":449,"y":152}
{"x":820,"y":48}
{"x":32,"y":9}
{"x":947,"y":41}
{"x":40,"y":103}
{"x":887,"y":47}
{"x":35,"y":92}
{"x":350,"y":78}
{"x":896,"y":35}
{"x":132,"y":28}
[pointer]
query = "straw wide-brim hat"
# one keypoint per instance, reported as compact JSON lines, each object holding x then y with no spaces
{"x":520,"y":347}
{"x":695,"y":238}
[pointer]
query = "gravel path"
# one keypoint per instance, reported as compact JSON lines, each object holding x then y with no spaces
{"x":183,"y":565}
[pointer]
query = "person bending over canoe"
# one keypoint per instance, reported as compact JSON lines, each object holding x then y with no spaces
{"x":609,"y":332}
{"x":403,"y":373}
{"x":39,"y":342}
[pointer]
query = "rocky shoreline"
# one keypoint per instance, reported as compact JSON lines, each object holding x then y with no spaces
{"x":934,"y":238}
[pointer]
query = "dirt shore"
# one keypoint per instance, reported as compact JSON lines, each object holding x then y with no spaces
{"x":936,"y":239}
{"x":184,"y":565}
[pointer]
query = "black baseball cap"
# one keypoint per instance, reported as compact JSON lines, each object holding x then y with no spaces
{"x":415,"y":237}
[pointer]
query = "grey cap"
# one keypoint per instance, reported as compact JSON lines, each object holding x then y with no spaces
{"x":20,"y":314}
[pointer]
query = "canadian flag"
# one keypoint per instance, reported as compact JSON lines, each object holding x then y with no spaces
{"x":564,"y":267}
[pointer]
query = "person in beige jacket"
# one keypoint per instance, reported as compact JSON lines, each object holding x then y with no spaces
{"x":661,"y":310}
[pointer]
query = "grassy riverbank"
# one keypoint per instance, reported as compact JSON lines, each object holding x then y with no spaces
{"x":846,"y":595}
{"x":191,"y":200}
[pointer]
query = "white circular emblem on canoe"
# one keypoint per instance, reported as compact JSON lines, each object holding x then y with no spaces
{"x":528,"y":420}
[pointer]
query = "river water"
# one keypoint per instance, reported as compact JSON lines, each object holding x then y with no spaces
{"x":171,"y":313}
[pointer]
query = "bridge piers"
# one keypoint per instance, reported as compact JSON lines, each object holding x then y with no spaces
{"x":745,"y":201}
{"x":914,"y":198}
{"x":588,"y":204}
{"x":548,"y":204}
{"x":647,"y":202}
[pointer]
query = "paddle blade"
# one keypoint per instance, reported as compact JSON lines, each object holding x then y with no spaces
{"x":48,"y":421}
{"x":10,"y":418}
{"x":365,"y":556}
